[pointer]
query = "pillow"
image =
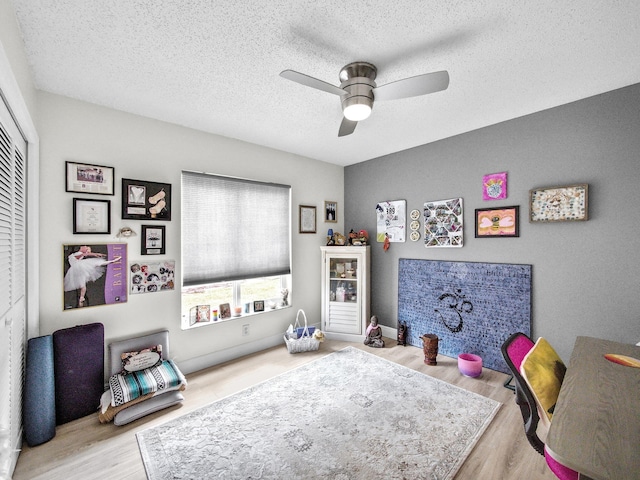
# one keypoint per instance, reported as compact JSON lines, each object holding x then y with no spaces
{"x":146,"y":358}
{"x":543,"y":371}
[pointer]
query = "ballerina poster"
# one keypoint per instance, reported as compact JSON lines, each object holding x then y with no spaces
{"x":94,"y":275}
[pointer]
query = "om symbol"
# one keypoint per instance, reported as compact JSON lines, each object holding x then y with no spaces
{"x":458,"y":306}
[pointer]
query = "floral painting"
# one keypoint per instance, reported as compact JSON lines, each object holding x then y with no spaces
{"x":494,"y":186}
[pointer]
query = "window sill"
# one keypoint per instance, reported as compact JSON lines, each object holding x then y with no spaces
{"x":243,"y":315}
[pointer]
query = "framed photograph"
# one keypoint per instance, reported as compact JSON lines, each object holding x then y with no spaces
{"x":498,"y":222}
{"x":199,"y":314}
{"x":258,"y":306}
{"x":225,"y":311}
{"x":330,"y":212}
{"x":142,"y":200}
{"x":307,"y":220}
{"x":94,"y":274}
{"x":559,"y":204}
{"x":494,"y":186}
{"x":91,"y":216}
{"x":84,"y":178}
{"x":153,"y":240}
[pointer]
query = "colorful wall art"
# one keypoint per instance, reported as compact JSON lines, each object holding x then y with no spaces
{"x":498,"y":222}
{"x":443,"y":223}
{"x":559,"y":204}
{"x":471,"y":307}
{"x":94,"y":274}
{"x":149,"y":277}
{"x":391,"y":221}
{"x":494,"y":186}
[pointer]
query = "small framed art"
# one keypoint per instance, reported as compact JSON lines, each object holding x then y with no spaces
{"x":85,"y":178}
{"x":225,"y":311}
{"x":330,"y":212}
{"x":153,"y":240}
{"x":559,"y":204}
{"x":142,"y":200}
{"x":498,"y":222}
{"x":494,"y":186}
{"x":307,"y":219}
{"x":91,"y":216}
{"x":258,"y":306}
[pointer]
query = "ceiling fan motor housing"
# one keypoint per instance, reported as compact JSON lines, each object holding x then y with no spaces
{"x":358,"y":81}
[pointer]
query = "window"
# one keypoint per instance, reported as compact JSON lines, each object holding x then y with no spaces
{"x":236,"y":245}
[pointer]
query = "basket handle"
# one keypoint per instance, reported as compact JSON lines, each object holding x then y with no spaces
{"x":306,"y":326}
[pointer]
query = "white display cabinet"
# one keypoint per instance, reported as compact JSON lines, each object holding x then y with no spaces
{"x":345,"y":292}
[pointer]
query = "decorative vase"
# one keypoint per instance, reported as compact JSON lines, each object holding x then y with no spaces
{"x":430,"y":348}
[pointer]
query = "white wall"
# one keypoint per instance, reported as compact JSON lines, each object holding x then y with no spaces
{"x":145,"y":149}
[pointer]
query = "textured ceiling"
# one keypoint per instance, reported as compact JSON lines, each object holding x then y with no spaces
{"x":214,"y":65}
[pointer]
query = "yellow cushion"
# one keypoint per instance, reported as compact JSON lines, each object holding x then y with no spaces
{"x":543,"y":370}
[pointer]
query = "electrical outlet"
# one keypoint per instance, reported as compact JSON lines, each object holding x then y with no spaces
{"x":245,"y":330}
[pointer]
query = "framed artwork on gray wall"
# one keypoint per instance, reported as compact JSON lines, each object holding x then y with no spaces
{"x":559,"y":204}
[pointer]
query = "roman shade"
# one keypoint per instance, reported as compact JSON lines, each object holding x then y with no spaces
{"x":233,"y":229}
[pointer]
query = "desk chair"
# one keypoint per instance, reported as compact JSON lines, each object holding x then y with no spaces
{"x":514,"y":350}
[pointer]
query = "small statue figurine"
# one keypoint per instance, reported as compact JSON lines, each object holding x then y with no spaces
{"x":402,"y":334}
{"x":374,"y":334}
{"x":285,"y":297}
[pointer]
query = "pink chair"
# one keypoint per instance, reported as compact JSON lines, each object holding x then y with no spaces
{"x":514,"y":349}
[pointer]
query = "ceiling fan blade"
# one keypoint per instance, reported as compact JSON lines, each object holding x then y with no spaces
{"x":413,"y":86}
{"x":346,"y":127}
{"x":312,"y":82}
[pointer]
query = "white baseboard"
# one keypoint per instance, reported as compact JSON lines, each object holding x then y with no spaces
{"x":215,"y":358}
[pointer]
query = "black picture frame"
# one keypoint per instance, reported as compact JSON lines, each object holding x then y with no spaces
{"x":89,"y":178}
{"x":153,"y":240}
{"x":91,"y":217}
{"x":258,"y":306}
{"x":144,"y":200}
{"x":499,"y":222}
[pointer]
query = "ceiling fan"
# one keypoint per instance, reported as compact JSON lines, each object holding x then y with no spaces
{"x":358,"y":89}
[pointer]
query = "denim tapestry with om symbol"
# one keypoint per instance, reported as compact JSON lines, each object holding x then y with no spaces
{"x":472,"y":307}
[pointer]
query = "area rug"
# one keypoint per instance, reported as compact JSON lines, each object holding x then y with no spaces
{"x":349,"y":415}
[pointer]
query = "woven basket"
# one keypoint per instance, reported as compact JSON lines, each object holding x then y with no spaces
{"x":306,"y":343}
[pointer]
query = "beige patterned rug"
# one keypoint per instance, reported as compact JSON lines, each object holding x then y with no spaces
{"x":349,"y":415}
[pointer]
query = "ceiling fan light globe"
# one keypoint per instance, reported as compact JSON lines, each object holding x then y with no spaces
{"x":357,"y":112}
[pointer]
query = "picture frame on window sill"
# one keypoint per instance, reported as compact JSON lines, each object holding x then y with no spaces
{"x":258,"y":306}
{"x":144,"y":200}
{"x":559,"y":204}
{"x":153,"y":240}
{"x":498,"y":222}
{"x":91,"y":216}
{"x":307,"y":219}
{"x":330,"y":212}
{"x":87,"y":178}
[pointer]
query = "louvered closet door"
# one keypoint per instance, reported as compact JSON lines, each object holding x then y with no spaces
{"x":13,"y":318}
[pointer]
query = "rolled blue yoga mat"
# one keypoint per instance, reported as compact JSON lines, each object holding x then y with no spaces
{"x":39,"y":409}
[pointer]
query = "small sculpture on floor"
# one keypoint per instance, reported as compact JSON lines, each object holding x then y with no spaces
{"x":374,"y":334}
{"x":402,"y":334}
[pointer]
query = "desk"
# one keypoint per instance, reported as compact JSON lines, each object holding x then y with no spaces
{"x":596,"y":423}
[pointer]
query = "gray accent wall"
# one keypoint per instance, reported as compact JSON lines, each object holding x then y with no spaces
{"x":586,"y":275}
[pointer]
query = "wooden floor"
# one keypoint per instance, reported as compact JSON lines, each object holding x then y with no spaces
{"x":86,"y":449}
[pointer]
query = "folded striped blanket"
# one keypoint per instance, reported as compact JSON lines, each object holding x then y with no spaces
{"x":125,"y":388}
